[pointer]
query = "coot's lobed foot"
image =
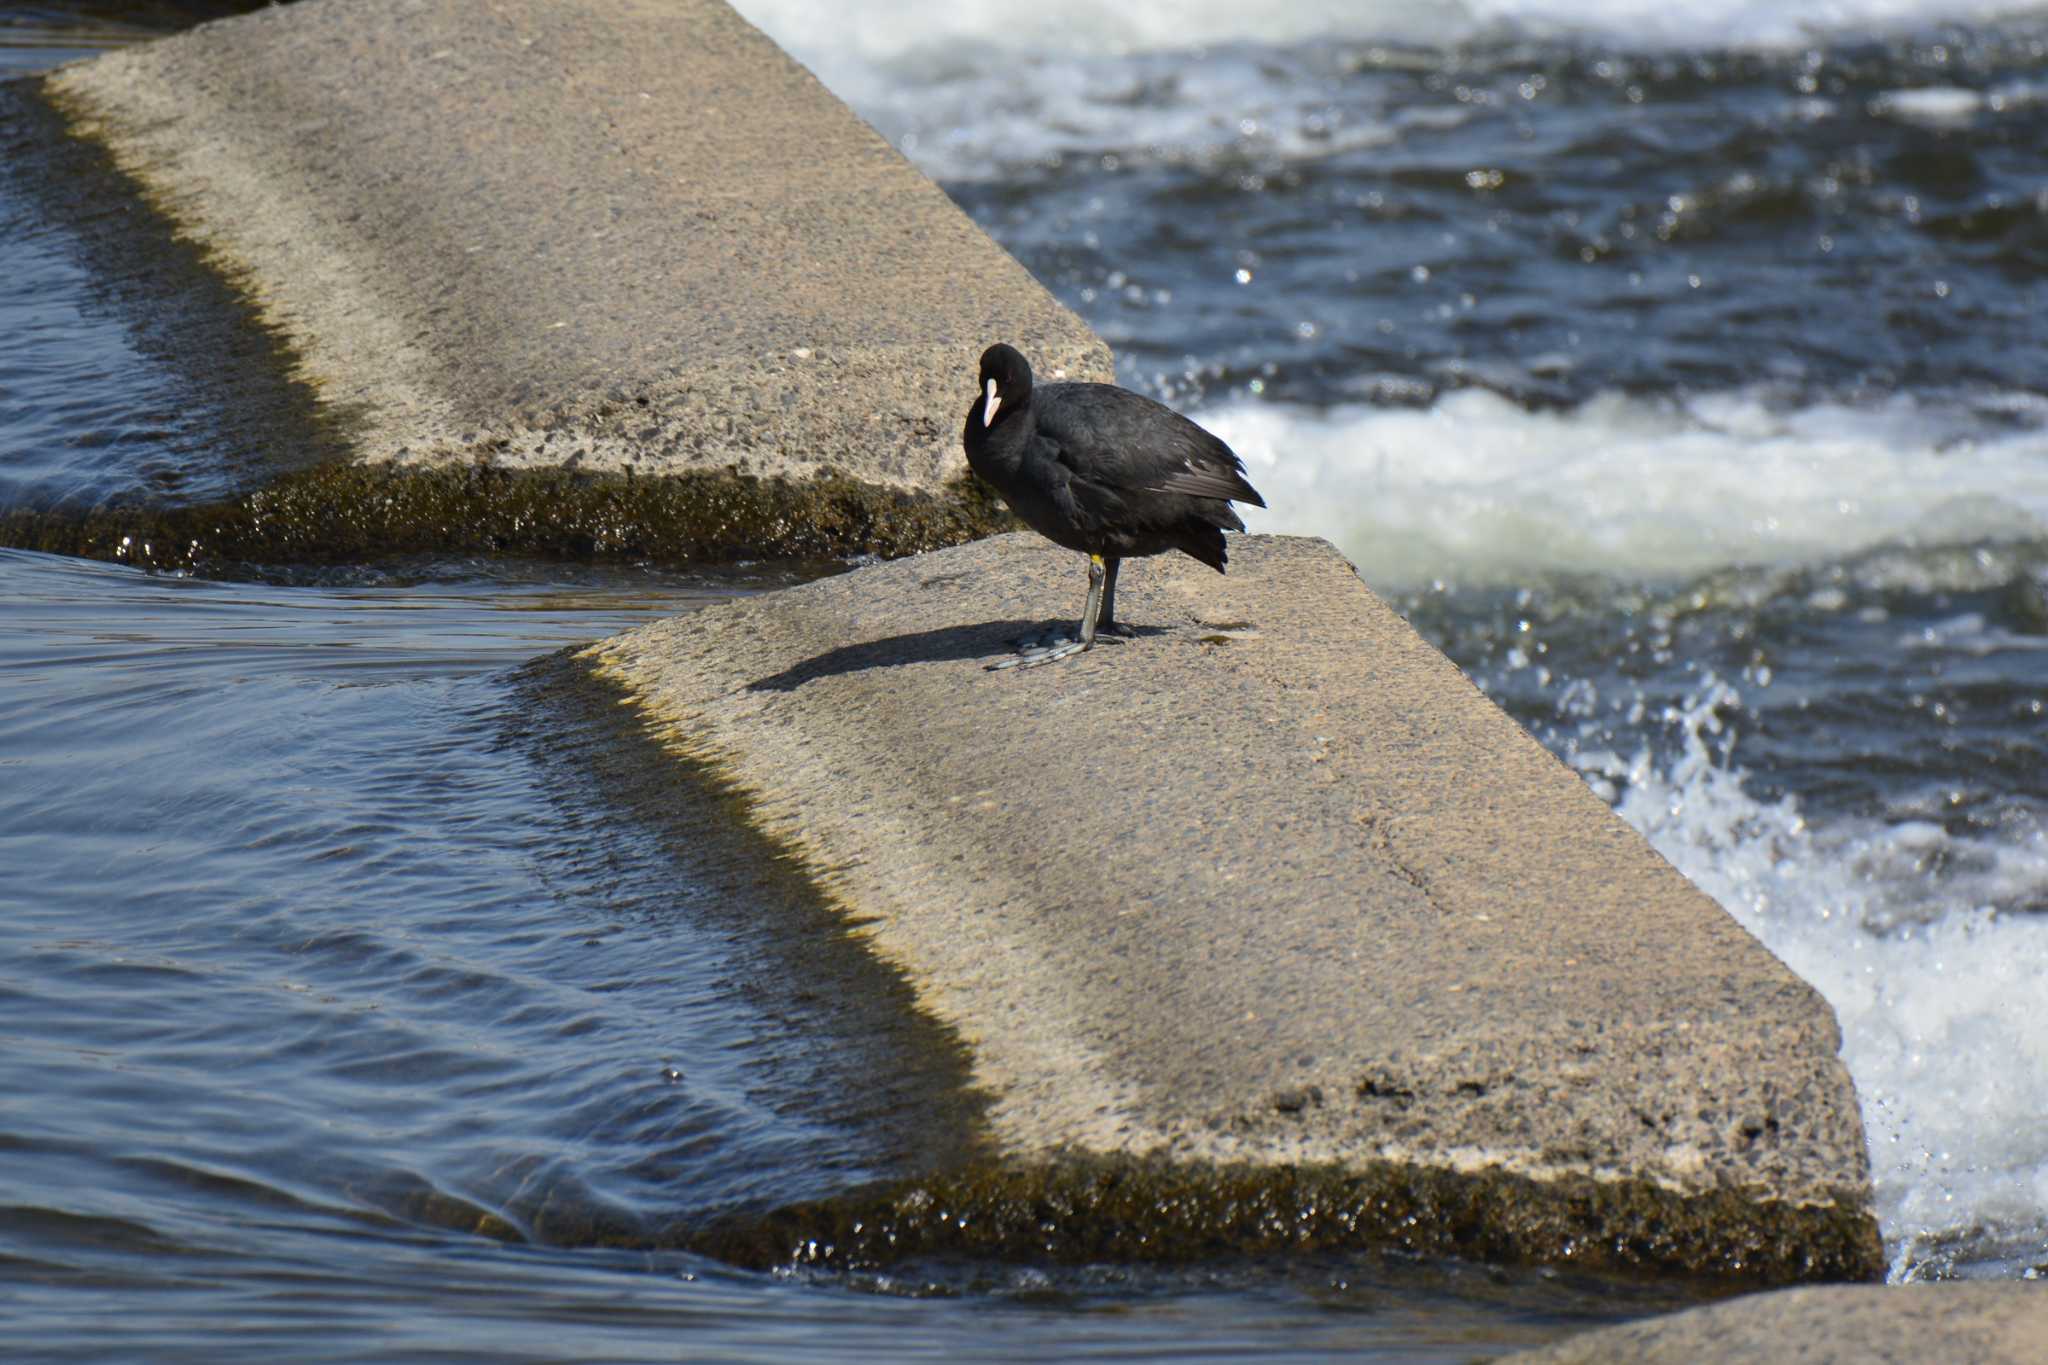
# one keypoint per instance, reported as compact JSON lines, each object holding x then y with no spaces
{"x":1046,"y":650}
{"x":1048,"y":646}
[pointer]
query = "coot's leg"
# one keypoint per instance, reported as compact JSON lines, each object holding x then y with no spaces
{"x":1106,"y":623}
{"x":1101,"y":573}
{"x":1032,"y":656}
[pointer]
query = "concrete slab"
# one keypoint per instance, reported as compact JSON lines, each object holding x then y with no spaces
{"x":1985,"y":1324}
{"x":581,"y":235}
{"x":1270,"y":899}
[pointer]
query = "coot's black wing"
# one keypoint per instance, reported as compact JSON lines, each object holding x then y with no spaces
{"x":1124,"y":441}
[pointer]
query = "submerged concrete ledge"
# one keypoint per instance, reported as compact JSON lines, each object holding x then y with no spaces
{"x":583,"y":236}
{"x":1268,"y":920}
{"x":1985,"y":1324}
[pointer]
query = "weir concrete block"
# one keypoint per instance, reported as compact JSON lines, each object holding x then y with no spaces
{"x":1269,"y":898}
{"x":595,"y":236}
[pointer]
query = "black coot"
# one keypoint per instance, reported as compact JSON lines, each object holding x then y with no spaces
{"x":1101,"y":470}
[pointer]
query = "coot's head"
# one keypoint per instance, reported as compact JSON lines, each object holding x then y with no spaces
{"x":1005,"y":381}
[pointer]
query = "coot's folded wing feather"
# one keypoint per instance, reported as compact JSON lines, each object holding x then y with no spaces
{"x":1114,"y":437}
{"x":1076,"y":496}
{"x":1200,"y":482}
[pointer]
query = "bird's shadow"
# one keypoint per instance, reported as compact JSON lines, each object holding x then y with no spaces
{"x":983,"y":640}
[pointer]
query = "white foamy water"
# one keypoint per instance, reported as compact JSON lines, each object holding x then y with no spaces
{"x":838,"y":36}
{"x":993,"y":113}
{"x":1476,"y":489}
{"x":967,"y":87}
{"x":1948,"y":106}
{"x":1938,"y":994}
{"x":971,"y":92}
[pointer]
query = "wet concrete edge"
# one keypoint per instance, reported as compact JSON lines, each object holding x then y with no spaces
{"x":1112,"y":1208}
{"x":1088,"y":1209}
{"x":351,"y":513}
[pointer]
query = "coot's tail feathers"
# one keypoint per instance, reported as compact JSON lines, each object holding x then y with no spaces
{"x":1206,"y":544}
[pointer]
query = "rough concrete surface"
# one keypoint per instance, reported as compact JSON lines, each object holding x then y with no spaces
{"x":1272,"y":883}
{"x":1981,"y":1324}
{"x":594,"y":234}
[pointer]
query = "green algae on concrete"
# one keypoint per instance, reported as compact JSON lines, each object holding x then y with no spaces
{"x":579,"y":235}
{"x":1154,"y":1209}
{"x":1264,"y":928}
{"x":351,"y":513}
{"x":1088,"y":1210}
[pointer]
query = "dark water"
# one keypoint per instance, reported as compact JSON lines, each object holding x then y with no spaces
{"x":360,"y":977}
{"x":1557,"y":221}
{"x":98,"y":401}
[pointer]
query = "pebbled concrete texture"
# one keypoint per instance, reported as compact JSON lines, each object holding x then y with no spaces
{"x":582,"y":234}
{"x":1985,"y":1324}
{"x":1272,"y":887}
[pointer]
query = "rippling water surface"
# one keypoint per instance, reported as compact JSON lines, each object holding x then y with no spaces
{"x":1677,"y":369}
